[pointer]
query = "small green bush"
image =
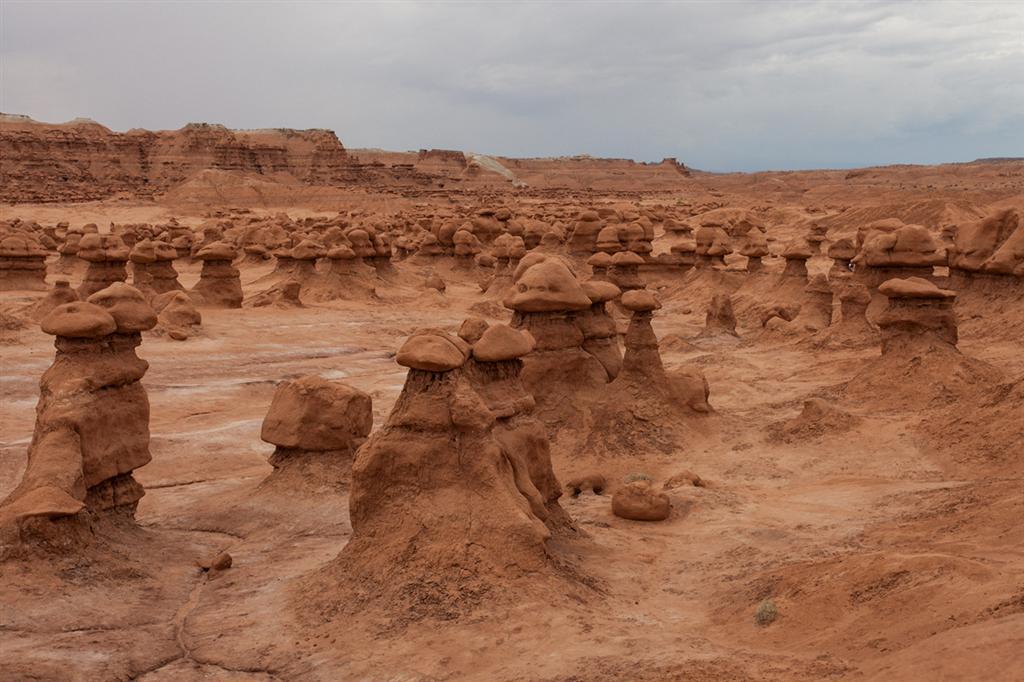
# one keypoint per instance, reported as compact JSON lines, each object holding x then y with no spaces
{"x":636,"y":477}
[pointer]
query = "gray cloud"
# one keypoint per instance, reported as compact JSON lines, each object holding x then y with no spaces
{"x":722,"y":86}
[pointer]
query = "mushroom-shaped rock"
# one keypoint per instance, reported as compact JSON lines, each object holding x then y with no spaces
{"x":913,"y":287}
{"x":625,"y":258}
{"x":608,"y":240}
{"x":217,"y":251}
{"x":755,"y":248}
{"x":796,"y":254}
{"x":601,"y":292}
{"x":97,"y":247}
{"x":639,"y":501}
{"x":500,"y":342}
{"x":625,"y":272}
{"x":107,"y":255}
{"x":599,"y":264}
{"x":842,"y":252}
{"x":713,"y":244}
{"x":584,"y":233}
{"x":640,"y":300}
{"x":20,"y":246}
{"x":22,"y":264}
{"x":798,"y":250}
{"x":143,"y":252}
{"x":431,"y":352}
{"x":219,"y":281}
{"x":152,"y":267}
{"x":79,"y":320}
{"x":127,"y":306}
{"x":547,"y":286}
{"x":918,"y":313}
{"x":909,"y":246}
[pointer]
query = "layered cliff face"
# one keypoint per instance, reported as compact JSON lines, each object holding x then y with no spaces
{"x":83,"y":160}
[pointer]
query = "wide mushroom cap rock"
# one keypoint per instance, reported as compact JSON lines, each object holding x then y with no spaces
{"x":433,"y":351}
{"x":500,"y":342}
{"x":79,"y":320}
{"x":102,"y":247}
{"x":913,"y":287}
{"x":608,"y":238}
{"x":127,"y":306}
{"x":883,"y":226}
{"x":217,"y":251}
{"x":601,"y":292}
{"x":143,"y":252}
{"x":798,"y":249}
{"x":18,"y":246}
{"x":640,"y":301}
{"x":600,"y":260}
{"x":547,"y":286}
{"x":712,"y":240}
{"x":626,"y":258}
{"x":536,"y":257}
{"x":164,"y":251}
{"x":910,"y":245}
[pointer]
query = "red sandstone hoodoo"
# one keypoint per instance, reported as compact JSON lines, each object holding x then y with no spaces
{"x":91,"y":391}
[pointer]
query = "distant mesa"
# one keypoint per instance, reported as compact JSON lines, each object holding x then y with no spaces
{"x":82,"y":160}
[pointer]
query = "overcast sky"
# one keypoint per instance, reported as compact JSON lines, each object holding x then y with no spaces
{"x":720,"y":86}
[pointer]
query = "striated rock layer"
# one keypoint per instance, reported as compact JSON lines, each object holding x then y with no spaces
{"x":82,"y":160}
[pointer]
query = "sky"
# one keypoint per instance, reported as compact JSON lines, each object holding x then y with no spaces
{"x":724,"y":86}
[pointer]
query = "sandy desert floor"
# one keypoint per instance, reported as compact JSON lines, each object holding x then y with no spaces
{"x":887,"y":537}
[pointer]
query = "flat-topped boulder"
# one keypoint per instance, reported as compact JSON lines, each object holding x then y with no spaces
{"x":318,"y":423}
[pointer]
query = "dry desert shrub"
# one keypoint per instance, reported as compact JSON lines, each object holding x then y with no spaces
{"x":766,"y":613}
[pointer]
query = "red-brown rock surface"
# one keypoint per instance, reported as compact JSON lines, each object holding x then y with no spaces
{"x":83,"y":160}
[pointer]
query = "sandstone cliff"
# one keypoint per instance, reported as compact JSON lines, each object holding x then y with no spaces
{"x":82,"y":160}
